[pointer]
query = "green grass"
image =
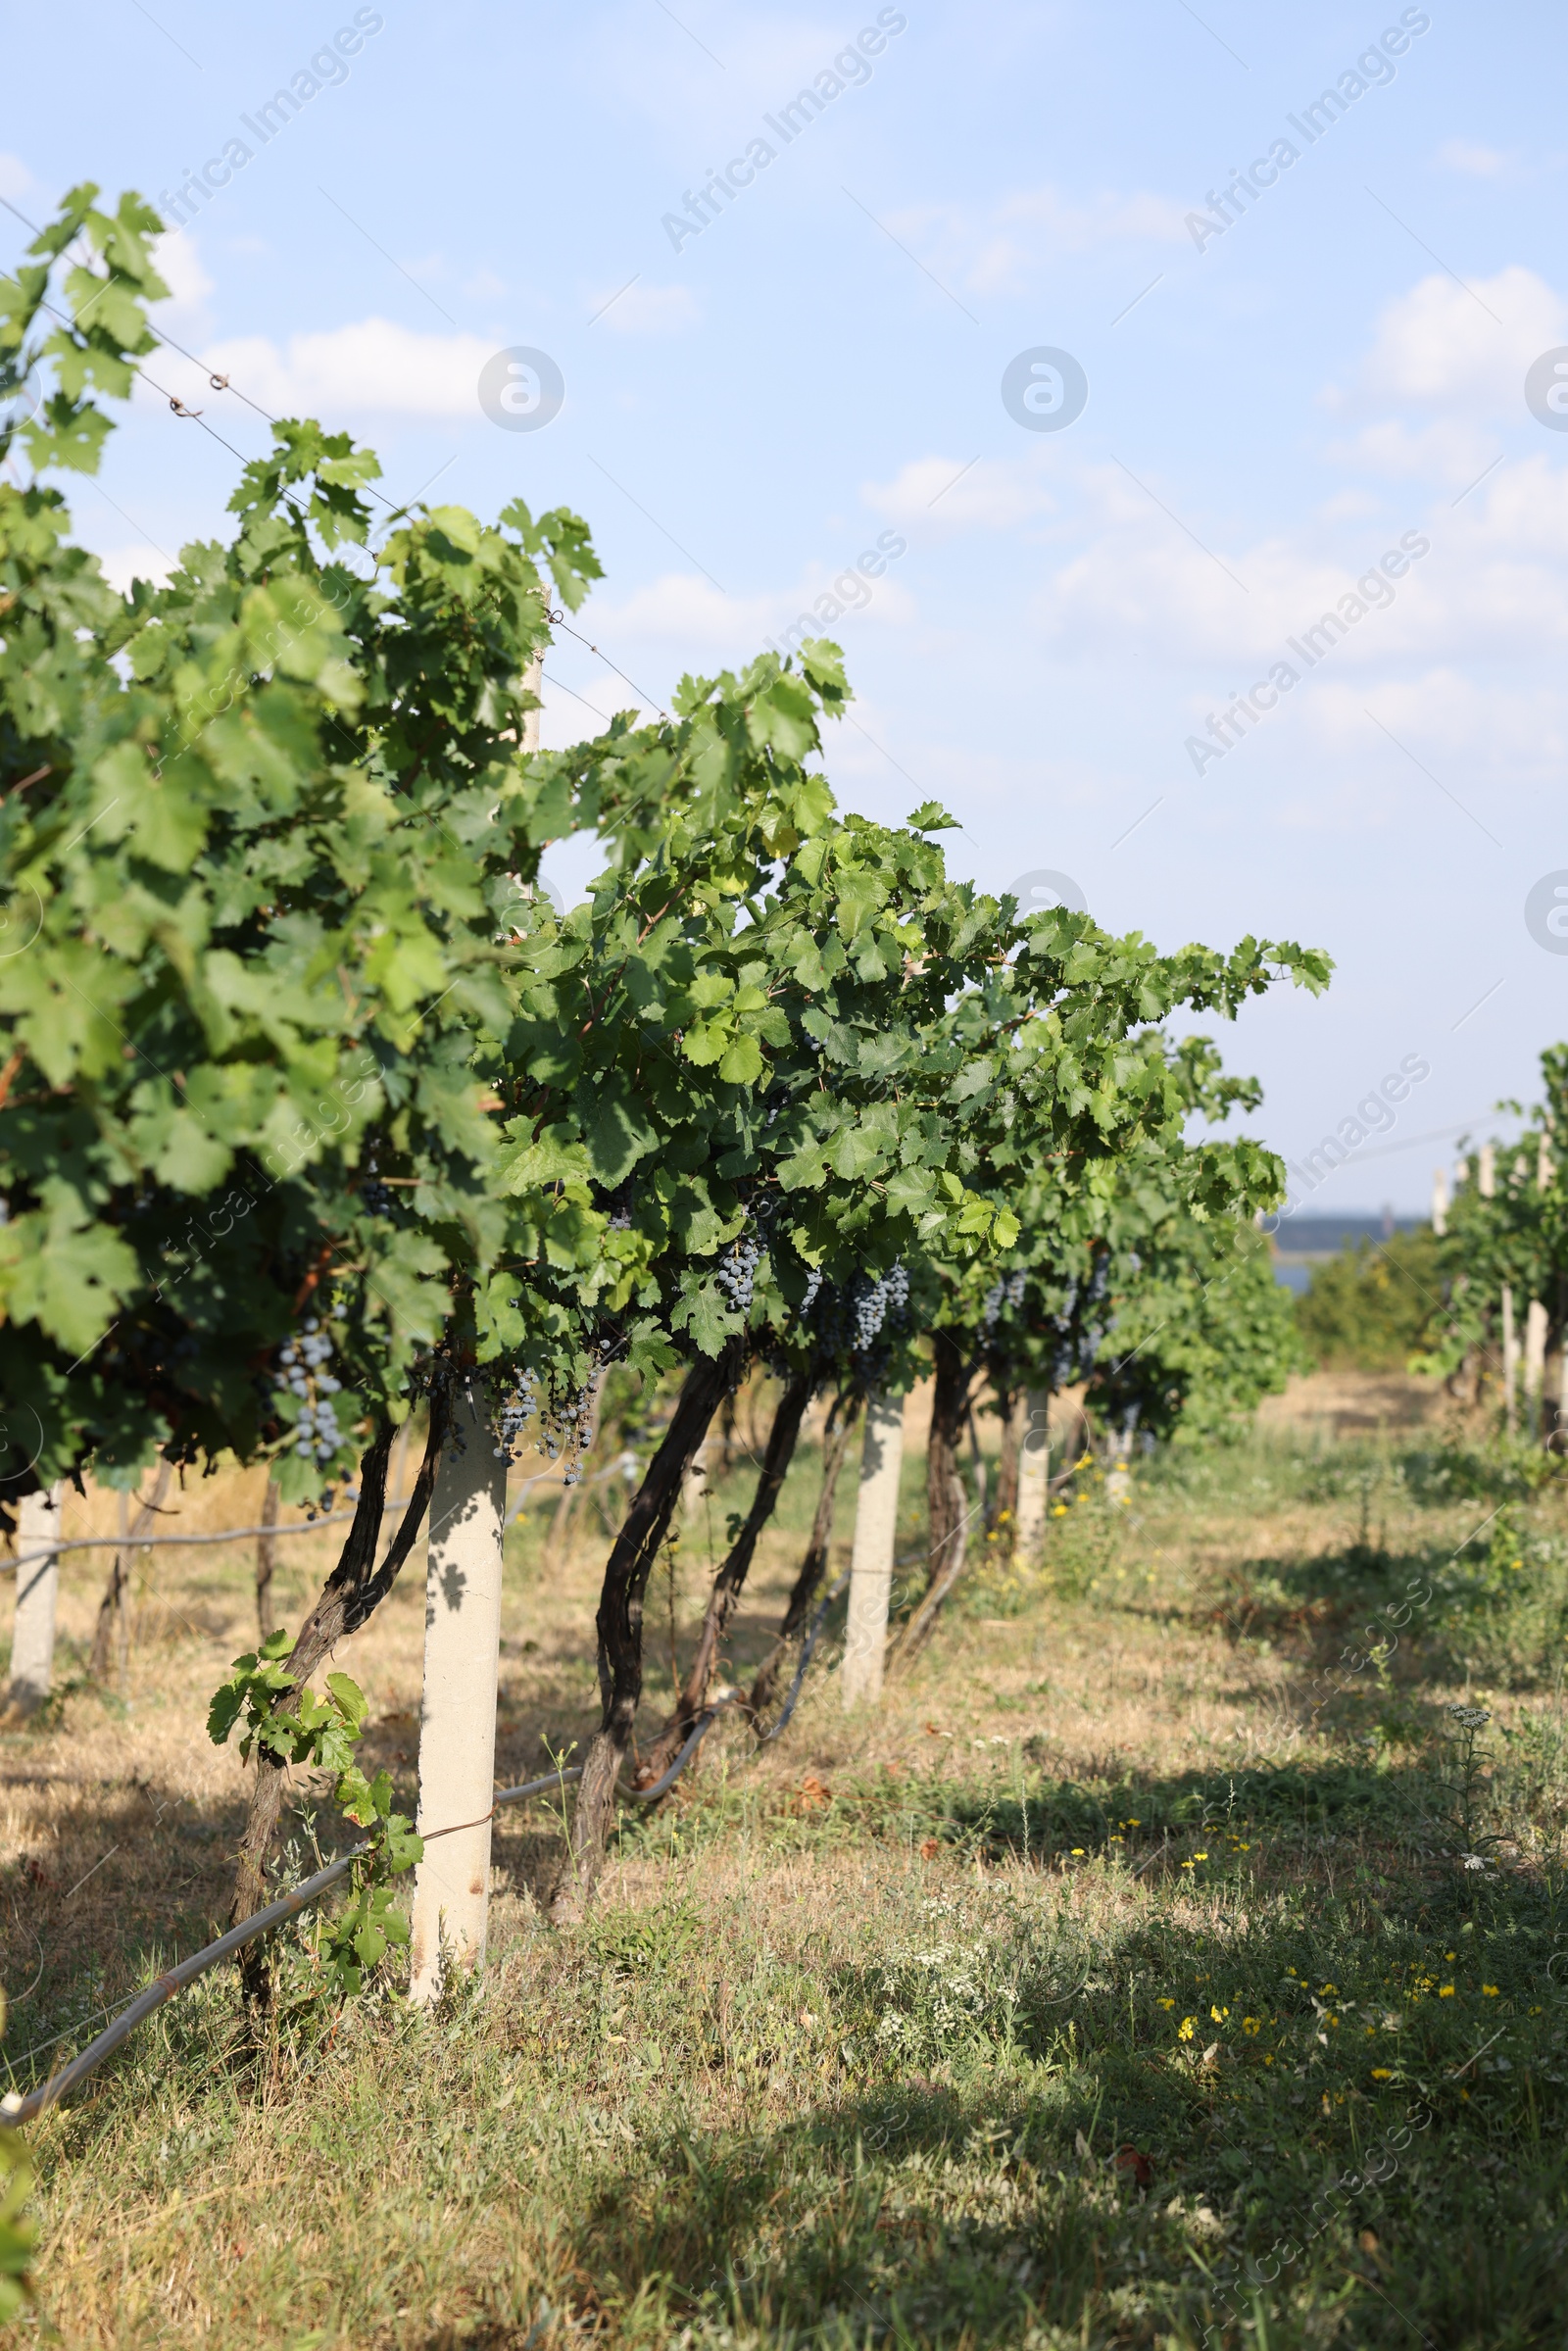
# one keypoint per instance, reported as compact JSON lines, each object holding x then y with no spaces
{"x":1114,"y":1985}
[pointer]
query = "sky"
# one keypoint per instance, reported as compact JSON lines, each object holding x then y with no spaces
{"x":1066,"y":363}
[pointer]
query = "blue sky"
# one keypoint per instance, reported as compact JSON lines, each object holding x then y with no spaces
{"x":1276,"y":402}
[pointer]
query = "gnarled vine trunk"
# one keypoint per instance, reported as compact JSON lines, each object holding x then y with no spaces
{"x":835,"y":1445}
{"x":621,"y":1619}
{"x":352,"y":1592}
{"x":947,"y":1504}
{"x":731,"y":1577}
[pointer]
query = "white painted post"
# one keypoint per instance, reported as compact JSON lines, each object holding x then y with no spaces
{"x":533,"y":679}
{"x":1034,"y":1473}
{"x":1510,"y":1358}
{"x":1440,"y":1201}
{"x":32,"y":1642}
{"x":1118,"y":1476}
{"x":1535,"y":1363}
{"x":694,"y":1484}
{"x":876,"y":1522}
{"x":458,"y":1720}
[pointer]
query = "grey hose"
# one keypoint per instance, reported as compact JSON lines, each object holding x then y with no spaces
{"x":14,"y":2110}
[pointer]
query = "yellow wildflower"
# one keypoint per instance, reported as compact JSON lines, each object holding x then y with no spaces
{"x":1489,"y":1992}
{"x":1186,"y":2027}
{"x":1445,"y":1991}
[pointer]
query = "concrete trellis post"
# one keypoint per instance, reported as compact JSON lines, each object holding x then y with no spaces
{"x":32,"y":1643}
{"x":876,"y":1519}
{"x":1535,"y":1363}
{"x":458,"y":1720}
{"x":1034,"y":1472}
{"x":533,"y":682}
{"x":1486,"y":1186}
{"x":694,"y":1484}
{"x":1440,"y":1201}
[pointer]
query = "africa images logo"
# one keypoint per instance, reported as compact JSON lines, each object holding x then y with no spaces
{"x":1372,"y":592}
{"x":1373,"y":69}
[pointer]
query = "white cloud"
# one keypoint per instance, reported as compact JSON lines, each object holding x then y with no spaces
{"x":1350,"y":506}
{"x":122,"y":564}
{"x":180,"y":265}
{"x":1002,"y":249}
{"x":1454,"y":724}
{"x":1493,"y":583}
{"x":1480,"y":163}
{"x":373,"y":364}
{"x":681,"y":621}
{"x":1469,"y":349}
{"x":947,"y":494}
{"x":1446,"y":451}
{"x":647,"y":310}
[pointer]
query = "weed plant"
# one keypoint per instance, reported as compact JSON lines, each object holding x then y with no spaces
{"x":1164,"y":1963}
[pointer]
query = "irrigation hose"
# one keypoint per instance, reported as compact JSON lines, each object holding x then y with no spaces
{"x":765,"y":1737}
{"x":14,"y":2110}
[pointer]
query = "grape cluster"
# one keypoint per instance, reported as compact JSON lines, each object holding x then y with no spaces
{"x":621,"y":1207}
{"x":375,"y":1195}
{"x":568,"y":1428}
{"x":1080,"y":1331}
{"x":873,"y":1303}
{"x":1009,"y":1291}
{"x":303,"y":1374}
{"x":563,"y":1426}
{"x":737,"y":1269}
{"x":851,"y":1321}
{"x":513,"y":1415}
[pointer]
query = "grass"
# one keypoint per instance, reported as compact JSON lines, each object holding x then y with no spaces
{"x":1118,"y":1979}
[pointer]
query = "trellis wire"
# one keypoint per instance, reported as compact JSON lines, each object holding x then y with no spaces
{"x":299,"y":1525}
{"x":14,"y":2109}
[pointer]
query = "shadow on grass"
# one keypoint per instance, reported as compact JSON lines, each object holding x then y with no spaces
{"x":1494,"y":1605}
{"x":1210,"y":2127}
